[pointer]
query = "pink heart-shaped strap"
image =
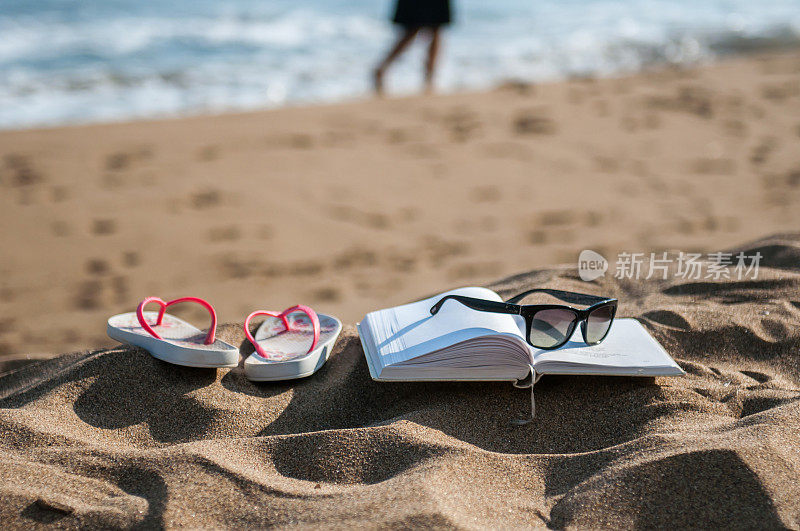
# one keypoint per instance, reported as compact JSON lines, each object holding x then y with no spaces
{"x":282,"y":316}
{"x":212,"y":331}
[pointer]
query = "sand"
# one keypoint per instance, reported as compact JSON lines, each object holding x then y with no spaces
{"x":359,"y":206}
{"x":364,"y":205}
{"x":113,"y":437}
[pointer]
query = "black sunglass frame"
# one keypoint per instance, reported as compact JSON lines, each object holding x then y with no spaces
{"x":527,"y":311}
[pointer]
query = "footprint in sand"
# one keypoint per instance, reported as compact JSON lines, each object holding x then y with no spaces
{"x":606,"y":164}
{"x":118,"y":161}
{"x":208,"y":153}
{"x":778,"y":185}
{"x":397,"y":136}
{"x":206,"y":199}
{"x":521,"y":88}
{"x":104,"y":227}
{"x":438,"y":250}
{"x":762,"y":151}
{"x":89,"y":296}
{"x":402,"y":263}
{"x":301,"y":141}
{"x":21,"y":171}
{"x":97,"y":266}
{"x":792,"y":178}
{"x":533,"y":122}
{"x":375,"y":220}
{"x":779,"y":92}
{"x":695,"y":100}
{"x":305,"y":268}
{"x":122,"y":160}
{"x":326,"y":294}
{"x":228,"y":233}
{"x":463,"y":124}
{"x":691,"y":99}
{"x":537,"y":237}
{"x":235,"y":269}
{"x":130,"y":259}
{"x":91,"y":293}
{"x":556,"y":217}
{"x":355,"y":257}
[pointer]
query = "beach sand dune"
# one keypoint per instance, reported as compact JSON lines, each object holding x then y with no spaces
{"x":113,"y":437}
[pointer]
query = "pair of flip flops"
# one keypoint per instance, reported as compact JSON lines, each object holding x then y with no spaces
{"x":290,"y":344}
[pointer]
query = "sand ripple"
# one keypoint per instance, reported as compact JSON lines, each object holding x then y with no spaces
{"x":116,"y":438}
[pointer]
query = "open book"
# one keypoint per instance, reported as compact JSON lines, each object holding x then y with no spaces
{"x":407,"y":343}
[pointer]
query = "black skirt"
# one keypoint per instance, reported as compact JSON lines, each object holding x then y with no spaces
{"x":422,"y":13}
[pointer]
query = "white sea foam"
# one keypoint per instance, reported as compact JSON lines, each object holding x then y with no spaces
{"x":70,"y":61}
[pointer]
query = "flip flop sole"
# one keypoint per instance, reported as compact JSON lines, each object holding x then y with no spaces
{"x":297,"y":364}
{"x":182,"y":343}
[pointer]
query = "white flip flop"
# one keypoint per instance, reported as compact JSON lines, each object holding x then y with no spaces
{"x":295,"y":343}
{"x":171,"y":339}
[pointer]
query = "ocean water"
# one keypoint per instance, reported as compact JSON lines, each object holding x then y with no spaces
{"x":78,"y":61}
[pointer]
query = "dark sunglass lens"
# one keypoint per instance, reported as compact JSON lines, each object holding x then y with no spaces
{"x":551,"y":327}
{"x":598,"y":323}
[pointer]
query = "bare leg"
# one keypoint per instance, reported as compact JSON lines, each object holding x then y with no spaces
{"x":402,"y":43}
{"x":430,"y":65}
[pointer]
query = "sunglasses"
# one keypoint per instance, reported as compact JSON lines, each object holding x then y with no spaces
{"x":549,"y":326}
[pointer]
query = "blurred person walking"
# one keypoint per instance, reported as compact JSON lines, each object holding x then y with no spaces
{"x":415,"y":17}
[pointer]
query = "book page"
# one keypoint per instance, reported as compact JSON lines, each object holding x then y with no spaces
{"x":629,"y":349}
{"x":405,"y":332}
